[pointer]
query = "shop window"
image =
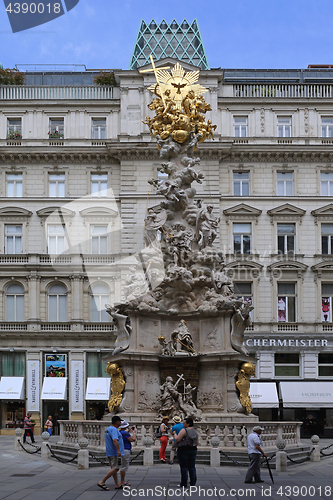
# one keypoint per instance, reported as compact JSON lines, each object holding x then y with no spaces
{"x":286,"y":238}
{"x":57,"y":301}
{"x":325,"y":366}
{"x":286,"y":302}
{"x":15,"y":303}
{"x":286,"y":365}
{"x":12,"y":364}
{"x":240,"y":126}
{"x":241,"y":183}
{"x":285,"y":183}
{"x":99,"y":239}
{"x":326,"y":183}
{"x":242,"y":238}
{"x":14,"y":184}
{"x":13,"y":239}
{"x":100,"y":295}
{"x":98,"y":128}
{"x":326,"y":302}
{"x":57,"y":185}
{"x":99,"y":184}
{"x":95,"y":365}
{"x":327,"y":239}
{"x":284,"y":126}
{"x":243,"y":290}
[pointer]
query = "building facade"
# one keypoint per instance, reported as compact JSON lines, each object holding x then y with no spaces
{"x":75,"y":159}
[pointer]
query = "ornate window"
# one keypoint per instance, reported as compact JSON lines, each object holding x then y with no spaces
{"x":326,"y":302}
{"x":14,"y":183}
{"x":326,"y":183}
{"x":99,"y":184}
{"x":284,"y":126}
{"x":98,"y":128}
{"x":99,"y":239}
{"x":15,"y":303}
{"x":100,"y":295}
{"x":241,"y":183}
{"x":243,"y":290}
{"x":242,"y":238}
{"x":327,"y":127}
{"x":57,"y":185}
{"x":285,"y":183}
{"x":13,"y":238}
{"x":240,"y":126}
{"x":286,"y":365}
{"x":56,"y":238}
{"x":286,"y":302}
{"x":57,"y":299}
{"x":286,"y":238}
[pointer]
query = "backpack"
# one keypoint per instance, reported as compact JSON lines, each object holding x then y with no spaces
{"x":158,"y":432}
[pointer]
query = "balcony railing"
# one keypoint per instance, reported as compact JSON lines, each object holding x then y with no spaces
{"x":42,"y":92}
{"x":283,"y":90}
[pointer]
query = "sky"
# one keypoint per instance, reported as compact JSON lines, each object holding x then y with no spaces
{"x":241,"y":34}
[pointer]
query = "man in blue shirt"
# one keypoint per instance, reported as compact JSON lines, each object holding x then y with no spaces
{"x":254,"y":450}
{"x":175,"y":431}
{"x":114,"y":448}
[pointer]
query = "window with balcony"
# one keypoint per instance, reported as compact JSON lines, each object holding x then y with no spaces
{"x":56,"y":239}
{"x":99,"y":184}
{"x":15,"y":303}
{"x":56,"y":128}
{"x":13,"y":239}
{"x":14,"y":128}
{"x":241,"y":183}
{"x":327,"y":239}
{"x":57,"y":303}
{"x":57,"y":185}
{"x":326,"y":302}
{"x":325,"y":366}
{"x":286,"y":238}
{"x":95,"y":365}
{"x":286,"y":364}
{"x":98,"y":128}
{"x":327,"y":127}
{"x":326,"y":183}
{"x":243,"y":290}
{"x":286,"y":302}
{"x":14,"y":184}
{"x":242,"y":238}
{"x":284,"y":126}
{"x":240,"y":126}
{"x":99,"y":239}
{"x":100,"y":295}
{"x":285,"y":183}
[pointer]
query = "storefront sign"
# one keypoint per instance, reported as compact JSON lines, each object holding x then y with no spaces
{"x":33,"y":386}
{"x":286,"y":342}
{"x":307,"y":394}
{"x":76,"y":386}
{"x":54,"y":388}
{"x":98,"y":389}
{"x":264,"y":395}
{"x":12,"y":388}
{"x":55,"y":365}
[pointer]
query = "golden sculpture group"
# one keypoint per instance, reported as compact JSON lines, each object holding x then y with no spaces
{"x":243,"y":384}
{"x":117,"y":385}
{"x":179,"y":106}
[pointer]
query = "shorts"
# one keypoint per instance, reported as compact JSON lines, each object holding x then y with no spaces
{"x":125,"y":461}
{"x":113,"y":461}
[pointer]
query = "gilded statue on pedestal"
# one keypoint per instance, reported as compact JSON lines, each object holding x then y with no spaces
{"x":243,"y":385}
{"x":117,"y":384}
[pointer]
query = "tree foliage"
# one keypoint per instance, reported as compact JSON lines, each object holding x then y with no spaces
{"x":105,"y":78}
{"x":11,"y":77}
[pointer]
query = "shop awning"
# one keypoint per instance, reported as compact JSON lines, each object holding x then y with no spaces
{"x":98,"y":389}
{"x":54,"y":388}
{"x":12,"y":388}
{"x":307,"y":394}
{"x":264,"y":395}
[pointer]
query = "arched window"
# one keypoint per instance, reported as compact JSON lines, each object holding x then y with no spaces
{"x":15,"y":303}
{"x":100,"y":295}
{"x":57,"y":303}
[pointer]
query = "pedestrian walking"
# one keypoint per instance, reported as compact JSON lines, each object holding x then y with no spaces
{"x":28,"y":429}
{"x":125,"y":459}
{"x":175,"y":431}
{"x":48,"y":425}
{"x":114,"y":448}
{"x":255,"y":451}
{"x":187,"y":440}
{"x":164,"y":438}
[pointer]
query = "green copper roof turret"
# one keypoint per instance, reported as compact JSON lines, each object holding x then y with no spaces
{"x":180,"y":41}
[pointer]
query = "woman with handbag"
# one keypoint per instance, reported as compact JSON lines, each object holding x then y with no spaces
{"x":187,"y":440}
{"x":163,"y":438}
{"x":48,"y":425}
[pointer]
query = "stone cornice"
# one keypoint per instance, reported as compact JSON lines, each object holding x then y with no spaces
{"x":280,"y":153}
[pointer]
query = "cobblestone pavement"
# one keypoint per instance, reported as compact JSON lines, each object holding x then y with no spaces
{"x":28,"y":477}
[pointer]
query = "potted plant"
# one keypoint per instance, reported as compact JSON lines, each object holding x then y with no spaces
{"x":55,"y":135}
{"x":14,"y":134}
